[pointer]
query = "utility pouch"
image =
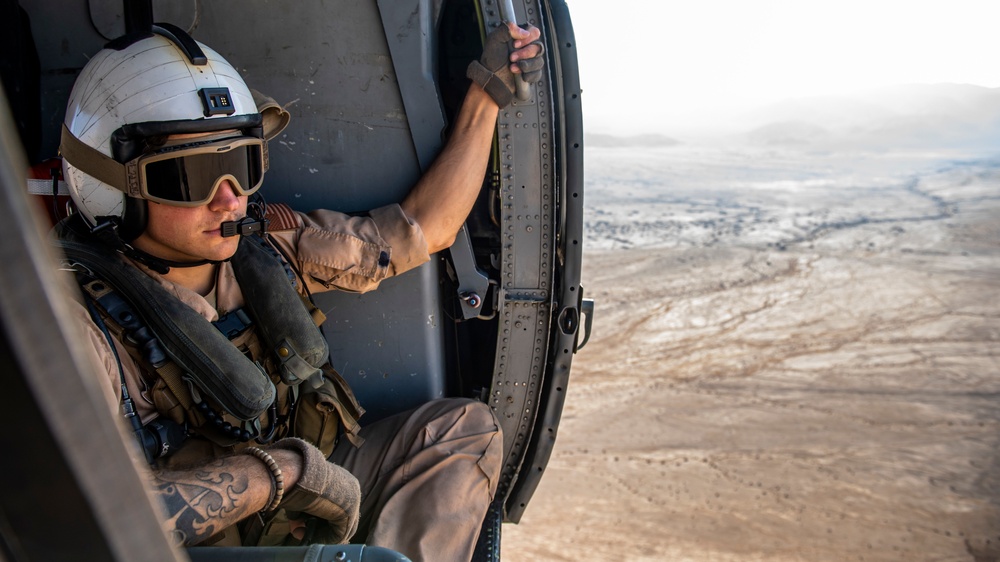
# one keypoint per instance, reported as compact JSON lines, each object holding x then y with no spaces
{"x":322,"y":411}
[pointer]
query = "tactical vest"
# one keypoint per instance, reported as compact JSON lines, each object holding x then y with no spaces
{"x":256,"y":375}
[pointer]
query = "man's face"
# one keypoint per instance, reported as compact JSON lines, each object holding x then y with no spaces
{"x":187,"y":234}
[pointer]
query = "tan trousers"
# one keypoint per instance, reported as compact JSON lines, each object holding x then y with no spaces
{"x":427,"y":478}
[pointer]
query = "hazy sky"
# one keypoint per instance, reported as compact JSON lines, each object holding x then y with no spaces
{"x":649,"y":66}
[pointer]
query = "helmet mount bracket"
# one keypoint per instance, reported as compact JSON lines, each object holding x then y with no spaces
{"x":169,"y":31}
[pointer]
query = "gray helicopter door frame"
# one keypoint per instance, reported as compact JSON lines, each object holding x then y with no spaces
{"x":70,"y":484}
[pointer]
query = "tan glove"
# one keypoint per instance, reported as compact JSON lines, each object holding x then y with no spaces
{"x":324,"y":490}
{"x":492,"y":70}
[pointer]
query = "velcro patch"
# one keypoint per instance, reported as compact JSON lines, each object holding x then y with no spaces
{"x":281,"y":217}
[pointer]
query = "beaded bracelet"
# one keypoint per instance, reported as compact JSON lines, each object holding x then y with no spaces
{"x":277,"y":478}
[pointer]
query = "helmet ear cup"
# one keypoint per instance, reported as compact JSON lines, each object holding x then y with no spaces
{"x":134,"y":219}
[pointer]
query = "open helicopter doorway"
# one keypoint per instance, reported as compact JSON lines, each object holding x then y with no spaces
{"x":371,"y":87}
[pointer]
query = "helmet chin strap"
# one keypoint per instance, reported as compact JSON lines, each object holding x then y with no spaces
{"x":160,"y":265}
{"x":253,"y":223}
{"x":246,"y":226}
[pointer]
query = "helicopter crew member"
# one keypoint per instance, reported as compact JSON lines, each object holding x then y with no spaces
{"x":192,"y":291}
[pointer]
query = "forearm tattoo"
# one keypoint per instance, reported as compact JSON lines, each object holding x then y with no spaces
{"x":201,"y":502}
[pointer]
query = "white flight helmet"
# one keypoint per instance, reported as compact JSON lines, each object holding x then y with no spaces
{"x":160,"y":84}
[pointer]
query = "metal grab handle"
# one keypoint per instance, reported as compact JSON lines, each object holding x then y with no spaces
{"x":522,"y":90}
{"x":587,"y":309}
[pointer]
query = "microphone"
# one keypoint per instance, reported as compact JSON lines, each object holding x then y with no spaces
{"x":244,"y":227}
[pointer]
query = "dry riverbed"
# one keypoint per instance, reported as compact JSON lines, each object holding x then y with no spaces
{"x":810,"y":374}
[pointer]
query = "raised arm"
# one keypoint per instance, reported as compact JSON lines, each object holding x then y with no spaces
{"x":444,"y":196}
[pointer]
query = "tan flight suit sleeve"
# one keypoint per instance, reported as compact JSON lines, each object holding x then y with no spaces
{"x":336,"y":251}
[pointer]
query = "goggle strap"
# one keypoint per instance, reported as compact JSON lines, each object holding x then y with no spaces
{"x":123,"y":177}
{"x":94,"y":163}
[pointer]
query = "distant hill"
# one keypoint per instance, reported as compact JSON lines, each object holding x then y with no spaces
{"x":788,"y":133}
{"x":647,"y":140}
{"x":911,"y":116}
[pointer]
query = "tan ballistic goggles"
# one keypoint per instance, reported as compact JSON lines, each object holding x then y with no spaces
{"x":188,"y":175}
{"x":179,"y":174}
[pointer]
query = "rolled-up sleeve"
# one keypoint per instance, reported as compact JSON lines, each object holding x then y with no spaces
{"x":353,"y":253}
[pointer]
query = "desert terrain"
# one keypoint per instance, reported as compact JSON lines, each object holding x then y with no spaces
{"x":795,"y":358}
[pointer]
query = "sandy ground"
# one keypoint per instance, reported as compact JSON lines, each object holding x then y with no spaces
{"x":798,"y":366}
